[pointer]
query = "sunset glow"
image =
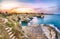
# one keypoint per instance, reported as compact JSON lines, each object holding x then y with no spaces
{"x":27,"y":6}
{"x":21,"y":10}
{"x":24,"y":10}
{"x":9,"y":5}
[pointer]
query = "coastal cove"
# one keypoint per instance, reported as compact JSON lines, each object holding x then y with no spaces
{"x":48,"y":19}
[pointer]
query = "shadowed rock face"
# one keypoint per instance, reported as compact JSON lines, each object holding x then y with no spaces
{"x":40,"y":32}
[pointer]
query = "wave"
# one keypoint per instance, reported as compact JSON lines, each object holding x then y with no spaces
{"x":52,"y":25}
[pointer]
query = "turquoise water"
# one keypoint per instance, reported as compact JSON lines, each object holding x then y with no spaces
{"x":24,"y":23}
{"x":49,"y":19}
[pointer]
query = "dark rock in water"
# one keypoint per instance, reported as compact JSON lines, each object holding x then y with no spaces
{"x":41,"y":32}
{"x":39,"y":16}
{"x":31,"y":18}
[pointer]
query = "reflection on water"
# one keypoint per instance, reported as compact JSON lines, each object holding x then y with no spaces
{"x":48,"y":19}
{"x":33,"y":21}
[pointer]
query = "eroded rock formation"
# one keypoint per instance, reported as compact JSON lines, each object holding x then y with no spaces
{"x":41,"y":32}
{"x":11,"y":29}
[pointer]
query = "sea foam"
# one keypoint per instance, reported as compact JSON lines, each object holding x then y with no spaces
{"x":52,"y":25}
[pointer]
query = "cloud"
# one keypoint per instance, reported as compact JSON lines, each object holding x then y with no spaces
{"x":32,"y":5}
{"x":45,"y":7}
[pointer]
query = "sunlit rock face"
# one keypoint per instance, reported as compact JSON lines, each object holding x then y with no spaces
{"x":33,"y":21}
{"x":41,"y":32}
{"x":11,"y":29}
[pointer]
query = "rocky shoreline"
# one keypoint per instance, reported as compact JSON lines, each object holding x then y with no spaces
{"x":11,"y":22}
{"x":41,"y":32}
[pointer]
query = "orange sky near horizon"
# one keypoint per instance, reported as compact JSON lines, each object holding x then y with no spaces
{"x":24,"y":7}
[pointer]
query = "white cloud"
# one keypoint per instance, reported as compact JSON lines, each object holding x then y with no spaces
{"x":47,"y":7}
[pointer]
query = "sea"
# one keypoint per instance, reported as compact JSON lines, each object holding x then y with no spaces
{"x":48,"y":19}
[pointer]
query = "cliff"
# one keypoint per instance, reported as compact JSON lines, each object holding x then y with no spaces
{"x":11,"y":29}
{"x":41,"y":32}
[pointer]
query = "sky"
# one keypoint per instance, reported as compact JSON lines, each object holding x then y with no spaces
{"x":40,"y":4}
{"x":58,"y":3}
